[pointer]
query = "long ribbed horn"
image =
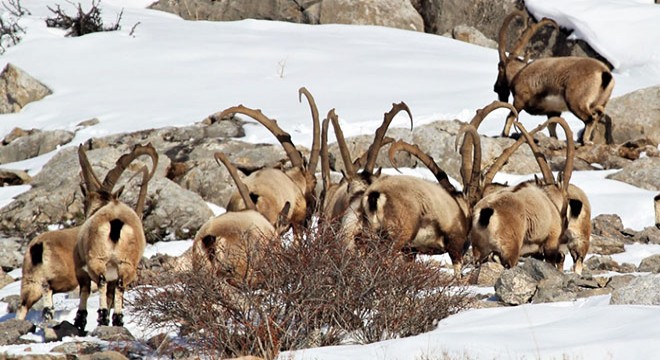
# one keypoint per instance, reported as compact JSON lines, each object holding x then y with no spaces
{"x":426,"y":159}
{"x":502,"y":38}
{"x":470,"y":163}
{"x":142,"y":195}
{"x":343,"y":148}
{"x":538,"y":155}
{"x":282,"y":136}
{"x":221,"y":158}
{"x":362,"y":160}
{"x":125,"y":160}
{"x":92,"y":183}
{"x":315,"y":152}
{"x":528,"y":33}
{"x":325,"y":158}
{"x":372,"y":152}
{"x":570,"y":151}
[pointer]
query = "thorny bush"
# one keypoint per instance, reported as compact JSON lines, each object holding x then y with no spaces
{"x":83,"y":22}
{"x":311,"y":292}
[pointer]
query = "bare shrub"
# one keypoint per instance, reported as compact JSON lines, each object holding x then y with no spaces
{"x":10,"y":31}
{"x":312,"y":293}
{"x":83,"y":22}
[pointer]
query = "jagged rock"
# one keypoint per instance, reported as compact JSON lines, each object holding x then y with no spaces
{"x":10,"y":253}
{"x":112,"y":333}
{"x":87,"y":123}
{"x":606,"y":156}
{"x":610,"y":226}
{"x":391,"y":13}
{"x":487,"y":274}
{"x":34,"y":144}
{"x":58,"y":331}
{"x":230,"y":10}
{"x":78,"y":348}
{"x":18,"y":88}
{"x":470,"y":34}
{"x":650,"y":264}
{"x":619,"y":281}
{"x":650,"y":235}
{"x":515,"y":286}
{"x":605,"y":246}
{"x":14,"y":177}
{"x":644,"y":173}
{"x":104,"y":355}
{"x":5,"y":279}
{"x":599,"y":264}
{"x":13,"y":302}
{"x":643,"y":290}
{"x":11,"y":330}
{"x":636,"y":115}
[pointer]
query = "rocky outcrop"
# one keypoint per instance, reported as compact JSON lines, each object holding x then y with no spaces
{"x":636,"y":115}
{"x":640,"y":291}
{"x":18,"y":88}
{"x":32,"y":144}
{"x":644,"y":173}
{"x":391,"y":13}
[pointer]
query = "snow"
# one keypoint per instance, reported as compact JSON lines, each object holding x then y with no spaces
{"x":172,"y":72}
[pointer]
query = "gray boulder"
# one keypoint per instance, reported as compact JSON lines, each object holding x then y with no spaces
{"x":534,"y":281}
{"x":644,"y":290}
{"x":487,"y":274}
{"x":33,"y":144}
{"x":515,"y":286}
{"x":11,"y":256}
{"x":230,"y":10}
{"x":605,"y":246}
{"x":650,"y":264}
{"x":18,"y":88}
{"x":636,"y":115}
{"x":601,"y":264}
{"x":472,"y":35}
{"x":11,"y":330}
{"x":391,"y":13}
{"x":650,"y":235}
{"x":644,"y":173}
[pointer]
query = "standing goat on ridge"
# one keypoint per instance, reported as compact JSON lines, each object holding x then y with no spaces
{"x":111,"y":241}
{"x":550,"y":86}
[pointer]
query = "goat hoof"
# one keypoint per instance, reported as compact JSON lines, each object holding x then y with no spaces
{"x":117,"y":319}
{"x":103,"y":317}
{"x":47,"y":314}
{"x":81,"y":320}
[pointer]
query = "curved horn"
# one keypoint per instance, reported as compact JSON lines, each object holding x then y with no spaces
{"x":125,"y":160}
{"x":538,"y":155}
{"x":483,"y":112}
{"x":506,"y":154}
{"x":470,"y":171}
{"x":282,"y":136}
{"x":325,"y":157}
{"x":502,"y":38}
{"x":315,"y":152}
{"x":142,"y":195}
{"x":343,"y":148}
{"x":570,"y":150}
{"x":242,"y":188}
{"x":372,"y":152}
{"x":92,"y":183}
{"x":425,"y":158}
{"x":362,"y":160}
{"x":529,"y":32}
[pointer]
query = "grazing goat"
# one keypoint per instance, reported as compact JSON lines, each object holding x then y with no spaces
{"x":550,"y":86}
{"x":231,"y":243}
{"x":270,"y":189}
{"x":656,"y":206}
{"x":111,"y":240}
{"x":48,"y":268}
{"x":529,"y":218}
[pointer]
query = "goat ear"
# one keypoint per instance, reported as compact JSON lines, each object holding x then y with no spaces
{"x":282,"y":217}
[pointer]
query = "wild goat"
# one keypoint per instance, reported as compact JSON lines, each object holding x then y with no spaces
{"x":342,"y":202}
{"x":526,"y":219}
{"x":421,"y":216}
{"x":549,"y":86}
{"x":231,"y":243}
{"x":270,"y":189}
{"x":111,"y":240}
{"x":656,"y":206}
{"x":48,"y":267}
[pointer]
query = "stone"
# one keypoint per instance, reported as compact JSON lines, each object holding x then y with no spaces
{"x":487,"y":274}
{"x":112,"y":333}
{"x":644,"y":173}
{"x":34,"y":144}
{"x":10,"y":177}
{"x":605,"y":246}
{"x":470,"y":34}
{"x":515,"y":286}
{"x":650,"y":264}
{"x":635,"y":115}
{"x":391,"y":13}
{"x":643,"y":290}
{"x":650,"y":235}
{"x":11,"y":330}
{"x":18,"y":88}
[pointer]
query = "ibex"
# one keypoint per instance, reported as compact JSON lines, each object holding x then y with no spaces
{"x":550,"y":86}
{"x":656,"y":205}
{"x":231,"y":243}
{"x":270,"y":189}
{"x":526,"y":219}
{"x":48,"y":267}
{"x":111,"y":241}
